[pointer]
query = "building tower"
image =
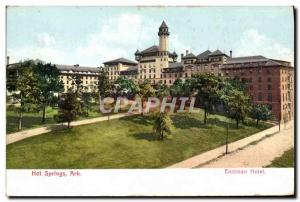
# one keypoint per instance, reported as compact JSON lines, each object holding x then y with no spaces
{"x":163,"y":33}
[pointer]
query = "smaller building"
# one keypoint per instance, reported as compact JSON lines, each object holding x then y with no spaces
{"x":205,"y":62}
{"x":171,"y":73}
{"x":120,"y":66}
{"x":88,"y":76}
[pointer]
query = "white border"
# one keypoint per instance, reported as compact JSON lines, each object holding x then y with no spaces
{"x":3,"y":3}
{"x":152,"y":182}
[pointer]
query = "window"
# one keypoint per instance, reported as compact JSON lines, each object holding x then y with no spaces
{"x":259,"y":87}
{"x":270,"y":106}
{"x":259,"y":96}
{"x":270,"y":97}
{"x":259,"y":79}
{"x":170,"y":81}
{"x":269,"y":79}
{"x":251,"y":87}
{"x":186,"y":75}
{"x":269,"y":87}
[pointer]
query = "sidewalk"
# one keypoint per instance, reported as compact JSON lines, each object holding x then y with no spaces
{"x":15,"y":137}
{"x":206,"y":157}
{"x":257,"y":155}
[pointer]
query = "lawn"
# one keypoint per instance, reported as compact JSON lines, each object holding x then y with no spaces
{"x":33,"y":120}
{"x":125,"y":143}
{"x":284,"y":161}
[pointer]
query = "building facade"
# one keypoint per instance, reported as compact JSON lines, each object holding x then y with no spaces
{"x":121,"y":67}
{"x":270,"y":81}
{"x":87,"y":75}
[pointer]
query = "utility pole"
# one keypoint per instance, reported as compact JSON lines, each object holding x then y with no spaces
{"x":226,"y":152}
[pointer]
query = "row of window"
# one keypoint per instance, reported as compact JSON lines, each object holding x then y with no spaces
{"x":286,"y":97}
{"x":259,"y":79}
{"x":82,"y":77}
{"x":243,"y":72}
{"x":269,"y":87}
{"x":260,"y":97}
{"x":286,"y":79}
{"x":145,"y":66}
{"x":144,"y":71}
{"x":86,"y":82}
{"x":286,"y":87}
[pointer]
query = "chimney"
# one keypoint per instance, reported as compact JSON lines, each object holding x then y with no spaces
{"x":186,"y":52}
{"x":7,"y":60}
{"x":231,"y":53}
{"x":181,"y":56}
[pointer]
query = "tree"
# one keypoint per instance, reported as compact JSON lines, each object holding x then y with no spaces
{"x":187,"y":88}
{"x":77,"y":83}
{"x":104,"y":86}
{"x":162,"y":90}
{"x":177,"y":88}
{"x":145,"y":91}
{"x":86,"y":99}
{"x":207,"y":87}
{"x":126,"y":86}
{"x":236,"y":105}
{"x":25,"y":89}
{"x":69,"y":107}
{"x":162,"y":125}
{"x":260,"y":112}
{"x":49,"y":85}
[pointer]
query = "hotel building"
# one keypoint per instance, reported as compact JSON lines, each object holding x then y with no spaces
{"x":270,"y":81}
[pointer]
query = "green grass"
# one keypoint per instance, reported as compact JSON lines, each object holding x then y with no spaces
{"x":124,"y":143}
{"x":33,"y":120}
{"x":284,"y":161}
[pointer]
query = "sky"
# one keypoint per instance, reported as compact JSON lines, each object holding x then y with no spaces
{"x":89,"y":36}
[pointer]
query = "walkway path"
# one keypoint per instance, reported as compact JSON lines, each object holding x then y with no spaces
{"x":14,"y":137}
{"x":258,"y":155}
{"x":206,"y":157}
